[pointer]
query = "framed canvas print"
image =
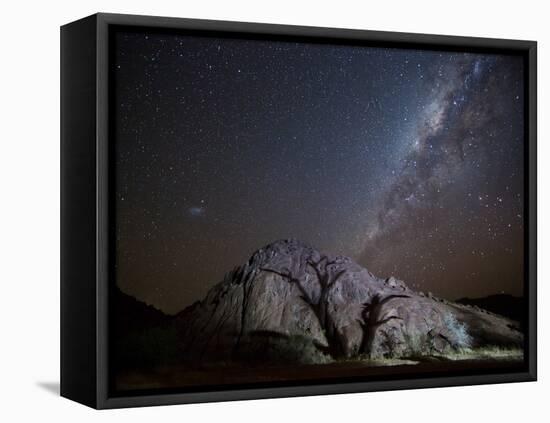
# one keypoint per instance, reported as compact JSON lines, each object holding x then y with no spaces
{"x":254,"y":211}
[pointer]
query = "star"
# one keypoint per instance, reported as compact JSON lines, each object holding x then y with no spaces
{"x":223,"y":145}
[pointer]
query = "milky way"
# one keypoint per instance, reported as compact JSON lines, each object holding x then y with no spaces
{"x":408,"y":161}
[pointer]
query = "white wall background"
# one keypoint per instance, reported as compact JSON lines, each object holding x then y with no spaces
{"x":29,"y":208}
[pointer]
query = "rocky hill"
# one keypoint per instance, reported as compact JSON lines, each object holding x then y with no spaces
{"x":292,"y":303}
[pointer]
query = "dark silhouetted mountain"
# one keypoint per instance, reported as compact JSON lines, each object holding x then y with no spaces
{"x":143,"y":335}
{"x":503,"y":304}
{"x":132,"y":314}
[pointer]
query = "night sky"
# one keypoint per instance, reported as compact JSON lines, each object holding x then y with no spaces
{"x":408,"y":161}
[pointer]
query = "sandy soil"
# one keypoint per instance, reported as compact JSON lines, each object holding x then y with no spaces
{"x":173,"y":377}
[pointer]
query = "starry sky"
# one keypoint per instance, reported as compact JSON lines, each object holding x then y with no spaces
{"x":408,"y":161}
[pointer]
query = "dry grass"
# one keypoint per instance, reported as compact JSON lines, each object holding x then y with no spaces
{"x":490,"y":353}
{"x":486,"y":353}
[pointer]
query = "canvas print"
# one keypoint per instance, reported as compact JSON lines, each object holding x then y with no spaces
{"x":290,"y":211}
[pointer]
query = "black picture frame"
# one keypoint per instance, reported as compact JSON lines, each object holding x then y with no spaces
{"x":86,"y":207}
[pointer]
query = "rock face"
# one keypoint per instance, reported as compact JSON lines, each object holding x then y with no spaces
{"x":290,"y":302}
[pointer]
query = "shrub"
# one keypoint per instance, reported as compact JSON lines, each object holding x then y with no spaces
{"x":458,"y":333}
